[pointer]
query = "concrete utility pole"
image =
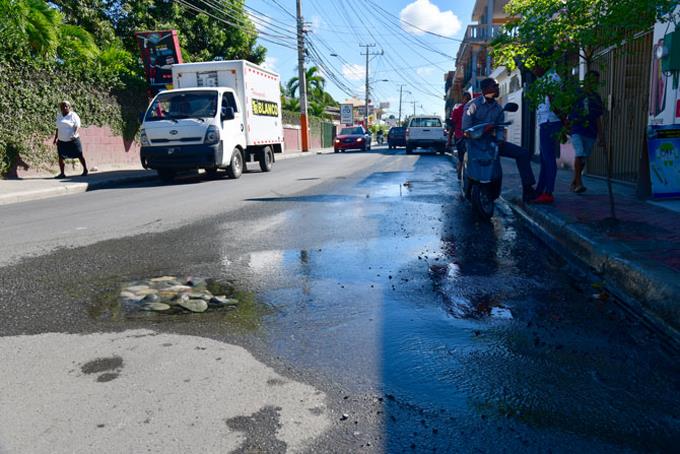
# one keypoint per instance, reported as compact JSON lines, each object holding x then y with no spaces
{"x":401,"y":91}
{"x":367,"y":88}
{"x":414,"y":106}
{"x":302,"y":79}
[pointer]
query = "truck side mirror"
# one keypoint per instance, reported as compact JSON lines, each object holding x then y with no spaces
{"x":227,"y":113}
{"x":511,"y":107}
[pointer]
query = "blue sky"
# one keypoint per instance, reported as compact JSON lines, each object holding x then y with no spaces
{"x":411,"y":57}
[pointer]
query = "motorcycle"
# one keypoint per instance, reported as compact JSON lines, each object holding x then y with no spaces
{"x":481,"y":174}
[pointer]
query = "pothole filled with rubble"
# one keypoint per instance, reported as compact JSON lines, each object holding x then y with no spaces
{"x":172,"y":297}
{"x":168,"y":294}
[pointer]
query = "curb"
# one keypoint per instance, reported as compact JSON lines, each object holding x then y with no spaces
{"x":69,"y":188}
{"x":649,"y":292}
{"x":79,"y":187}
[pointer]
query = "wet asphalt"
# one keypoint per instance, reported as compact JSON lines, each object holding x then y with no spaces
{"x":428,"y":330}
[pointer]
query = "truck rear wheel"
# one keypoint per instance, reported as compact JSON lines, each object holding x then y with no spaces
{"x":267,"y":159}
{"x":235,"y":168}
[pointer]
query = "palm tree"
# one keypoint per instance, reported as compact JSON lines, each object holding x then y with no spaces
{"x":312,"y":77}
{"x":35,"y":27}
{"x":30,"y":24}
{"x":291,"y":104}
{"x":317,"y":109}
{"x":76,"y":43}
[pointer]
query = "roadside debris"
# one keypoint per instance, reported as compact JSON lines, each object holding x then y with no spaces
{"x":169,"y":294}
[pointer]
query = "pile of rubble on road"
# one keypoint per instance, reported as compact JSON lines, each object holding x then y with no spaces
{"x":169,"y":294}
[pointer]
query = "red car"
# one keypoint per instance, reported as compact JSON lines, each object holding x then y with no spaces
{"x":354,"y":138}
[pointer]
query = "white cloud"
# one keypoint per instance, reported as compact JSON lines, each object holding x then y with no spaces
{"x":353,"y":71}
{"x":270,"y":63}
{"x":427,"y":16}
{"x":425,"y":71}
{"x":315,"y":24}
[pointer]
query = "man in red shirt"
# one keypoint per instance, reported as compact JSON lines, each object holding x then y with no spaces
{"x":456,"y":130}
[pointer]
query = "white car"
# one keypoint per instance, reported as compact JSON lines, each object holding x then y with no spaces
{"x":425,"y":132}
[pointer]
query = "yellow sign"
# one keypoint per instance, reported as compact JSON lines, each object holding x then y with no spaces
{"x":265,"y":108}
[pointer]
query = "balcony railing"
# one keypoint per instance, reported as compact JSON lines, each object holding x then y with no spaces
{"x":482,"y":33}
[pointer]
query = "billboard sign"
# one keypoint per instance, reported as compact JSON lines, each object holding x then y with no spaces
{"x":346,"y":114}
{"x":664,"y":160}
{"x":159,"y":51}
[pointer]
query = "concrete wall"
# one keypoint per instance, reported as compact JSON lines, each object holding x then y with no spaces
{"x":105,"y":150}
{"x":102,"y":149}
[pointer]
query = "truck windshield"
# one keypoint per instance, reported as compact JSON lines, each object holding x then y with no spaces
{"x":426,"y":123}
{"x":185,"y":104}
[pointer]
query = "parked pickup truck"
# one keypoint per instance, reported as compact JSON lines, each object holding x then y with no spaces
{"x":425,"y":132}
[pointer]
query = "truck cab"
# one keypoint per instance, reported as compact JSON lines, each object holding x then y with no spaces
{"x":193,"y":128}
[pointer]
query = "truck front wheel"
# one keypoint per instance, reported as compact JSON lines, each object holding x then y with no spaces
{"x":235,"y":168}
{"x":267,"y":159}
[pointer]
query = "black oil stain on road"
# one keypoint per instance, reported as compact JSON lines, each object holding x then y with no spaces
{"x":260,"y":431}
{"x":109,"y":368}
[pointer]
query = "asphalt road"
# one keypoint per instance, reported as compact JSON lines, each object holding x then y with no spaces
{"x":376,"y":314}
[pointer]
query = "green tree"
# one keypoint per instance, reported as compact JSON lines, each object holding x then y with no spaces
{"x":202,"y":29}
{"x":91,"y":15}
{"x":313,"y":79}
{"x":550,"y":34}
{"x":28,"y":27}
{"x":544,"y":31}
{"x":319,"y":99}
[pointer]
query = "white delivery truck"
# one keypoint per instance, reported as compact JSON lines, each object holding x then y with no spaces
{"x":219,"y":115}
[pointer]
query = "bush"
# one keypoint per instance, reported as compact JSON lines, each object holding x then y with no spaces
{"x":30,"y":95}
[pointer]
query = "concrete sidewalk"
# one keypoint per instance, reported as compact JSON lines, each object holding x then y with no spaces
{"x":45,"y":186}
{"x":637,"y":257}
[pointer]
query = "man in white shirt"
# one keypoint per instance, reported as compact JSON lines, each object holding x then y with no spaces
{"x":67,"y":139}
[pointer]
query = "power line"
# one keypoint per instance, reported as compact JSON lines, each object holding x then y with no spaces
{"x":414,"y":26}
{"x":255,"y":34}
{"x":282,"y":8}
{"x":413,"y":82}
{"x":235,"y":15}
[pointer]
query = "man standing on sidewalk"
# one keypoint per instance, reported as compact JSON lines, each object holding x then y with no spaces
{"x":549,"y":125}
{"x":586,"y":126}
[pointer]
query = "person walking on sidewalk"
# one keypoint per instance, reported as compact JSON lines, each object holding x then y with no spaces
{"x":67,"y":139}
{"x":549,"y":125}
{"x":586,"y":126}
{"x":485,"y":109}
{"x":456,"y":131}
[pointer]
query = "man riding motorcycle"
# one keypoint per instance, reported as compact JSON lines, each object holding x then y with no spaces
{"x":485,"y":109}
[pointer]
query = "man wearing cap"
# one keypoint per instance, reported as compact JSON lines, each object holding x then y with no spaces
{"x":485,"y":109}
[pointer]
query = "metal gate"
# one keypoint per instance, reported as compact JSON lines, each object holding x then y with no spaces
{"x":624,"y":73}
{"x":327,"y":134}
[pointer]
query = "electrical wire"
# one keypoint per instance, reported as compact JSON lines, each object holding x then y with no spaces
{"x":255,"y":34}
{"x":411,"y":25}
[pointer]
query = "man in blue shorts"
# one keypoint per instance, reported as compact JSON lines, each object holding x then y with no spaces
{"x":586,"y":126}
